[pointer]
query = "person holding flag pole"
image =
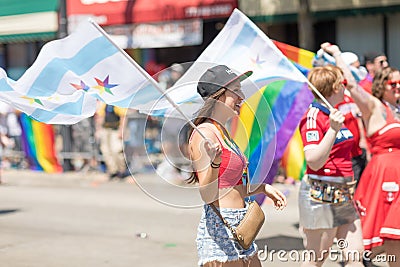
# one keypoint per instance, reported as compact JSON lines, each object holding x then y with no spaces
{"x":326,"y":193}
{"x":221,"y":89}
{"x":219,"y":168}
{"x":377,"y":195}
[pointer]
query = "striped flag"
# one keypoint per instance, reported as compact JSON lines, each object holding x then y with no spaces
{"x":271,"y":114}
{"x":71,"y":74}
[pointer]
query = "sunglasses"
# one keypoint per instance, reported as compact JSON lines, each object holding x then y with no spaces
{"x":382,"y":61}
{"x":344,"y":82}
{"x":393,"y":84}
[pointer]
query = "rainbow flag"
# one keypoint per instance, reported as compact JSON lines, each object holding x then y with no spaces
{"x":293,"y":161}
{"x":266,"y":123}
{"x":38,"y":144}
{"x":301,"y":58}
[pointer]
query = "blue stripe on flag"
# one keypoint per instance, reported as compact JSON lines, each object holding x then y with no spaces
{"x":4,"y":86}
{"x":286,"y":65}
{"x":241,"y":44}
{"x":144,"y":95}
{"x":51,"y":75}
{"x":246,"y":36}
{"x":71,"y":108}
{"x":42,"y":115}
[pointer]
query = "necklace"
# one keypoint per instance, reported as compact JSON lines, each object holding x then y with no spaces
{"x":230,"y":142}
{"x":235,"y":148}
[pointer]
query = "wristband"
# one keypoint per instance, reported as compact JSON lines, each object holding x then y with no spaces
{"x":215,"y":165}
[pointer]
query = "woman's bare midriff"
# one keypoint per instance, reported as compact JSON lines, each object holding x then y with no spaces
{"x":232,"y":197}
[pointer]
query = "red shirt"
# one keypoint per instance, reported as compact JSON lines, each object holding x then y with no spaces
{"x":313,"y":126}
{"x":350,"y":110}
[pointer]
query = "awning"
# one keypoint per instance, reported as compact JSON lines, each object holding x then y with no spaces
{"x":22,"y":20}
{"x":114,"y":12}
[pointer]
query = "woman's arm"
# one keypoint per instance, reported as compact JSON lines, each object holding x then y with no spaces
{"x":276,"y":195}
{"x":364,"y":101}
{"x":203,"y":153}
{"x":317,"y":155}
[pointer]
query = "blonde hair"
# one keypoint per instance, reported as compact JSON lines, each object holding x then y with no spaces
{"x":325,"y":79}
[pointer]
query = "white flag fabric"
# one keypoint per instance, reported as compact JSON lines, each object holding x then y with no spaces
{"x":242,"y":46}
{"x":71,"y":74}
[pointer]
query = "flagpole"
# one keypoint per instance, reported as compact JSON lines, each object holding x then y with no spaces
{"x":319,"y":94}
{"x":143,"y":72}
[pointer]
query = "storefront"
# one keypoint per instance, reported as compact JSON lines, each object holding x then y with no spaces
{"x":358,"y":26}
{"x":158,"y":31}
{"x":24,"y":26}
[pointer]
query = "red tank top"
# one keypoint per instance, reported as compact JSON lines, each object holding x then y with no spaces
{"x":386,"y":139}
{"x":231,"y":168}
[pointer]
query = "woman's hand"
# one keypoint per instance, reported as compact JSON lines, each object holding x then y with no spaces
{"x":276,"y":195}
{"x":214,"y":151}
{"x":330,"y":49}
{"x":336,"y":119}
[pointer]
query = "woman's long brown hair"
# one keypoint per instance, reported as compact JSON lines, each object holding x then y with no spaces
{"x":380,"y":79}
{"x":203,"y":114}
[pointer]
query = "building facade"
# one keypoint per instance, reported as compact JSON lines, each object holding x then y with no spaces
{"x":357,"y":26}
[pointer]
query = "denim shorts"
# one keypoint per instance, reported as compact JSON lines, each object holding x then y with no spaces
{"x":215,"y":241}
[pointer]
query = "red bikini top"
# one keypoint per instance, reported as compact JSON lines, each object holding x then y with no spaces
{"x":232,"y":166}
{"x":231,"y":169}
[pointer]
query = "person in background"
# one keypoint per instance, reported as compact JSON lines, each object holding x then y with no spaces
{"x":219,"y":167}
{"x":353,"y":120}
{"x":377,"y":195}
{"x":326,"y":208}
{"x":349,"y":109}
{"x":110,"y":123}
{"x":3,"y":141}
{"x":359,"y":72}
{"x":82,"y":143}
{"x":374,"y":62}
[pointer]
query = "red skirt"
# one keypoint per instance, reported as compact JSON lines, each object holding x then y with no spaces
{"x":378,"y":194}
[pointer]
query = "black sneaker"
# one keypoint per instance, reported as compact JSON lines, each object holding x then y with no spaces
{"x":123,"y":175}
{"x":113,"y":175}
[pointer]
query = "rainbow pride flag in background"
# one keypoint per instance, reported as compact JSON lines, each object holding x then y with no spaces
{"x":301,"y":58}
{"x":293,"y":161}
{"x":266,"y":124}
{"x":38,"y":145}
{"x":269,"y":123}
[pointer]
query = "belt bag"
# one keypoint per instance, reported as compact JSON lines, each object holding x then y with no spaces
{"x":328,"y":191}
{"x":245,"y":233}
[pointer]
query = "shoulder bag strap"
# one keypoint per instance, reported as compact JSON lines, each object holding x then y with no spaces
{"x":223,"y":219}
{"x":219,"y":214}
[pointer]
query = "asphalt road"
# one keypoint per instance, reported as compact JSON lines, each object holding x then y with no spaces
{"x":82,"y":219}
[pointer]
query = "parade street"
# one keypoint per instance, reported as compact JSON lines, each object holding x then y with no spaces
{"x":76,"y":219}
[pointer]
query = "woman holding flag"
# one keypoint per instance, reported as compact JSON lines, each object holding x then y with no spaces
{"x":219,"y":168}
{"x":325,"y":198}
{"x":378,"y":195}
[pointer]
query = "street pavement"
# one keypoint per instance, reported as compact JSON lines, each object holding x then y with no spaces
{"x":82,"y":219}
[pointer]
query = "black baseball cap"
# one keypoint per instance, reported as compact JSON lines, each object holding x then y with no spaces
{"x":217,"y":77}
